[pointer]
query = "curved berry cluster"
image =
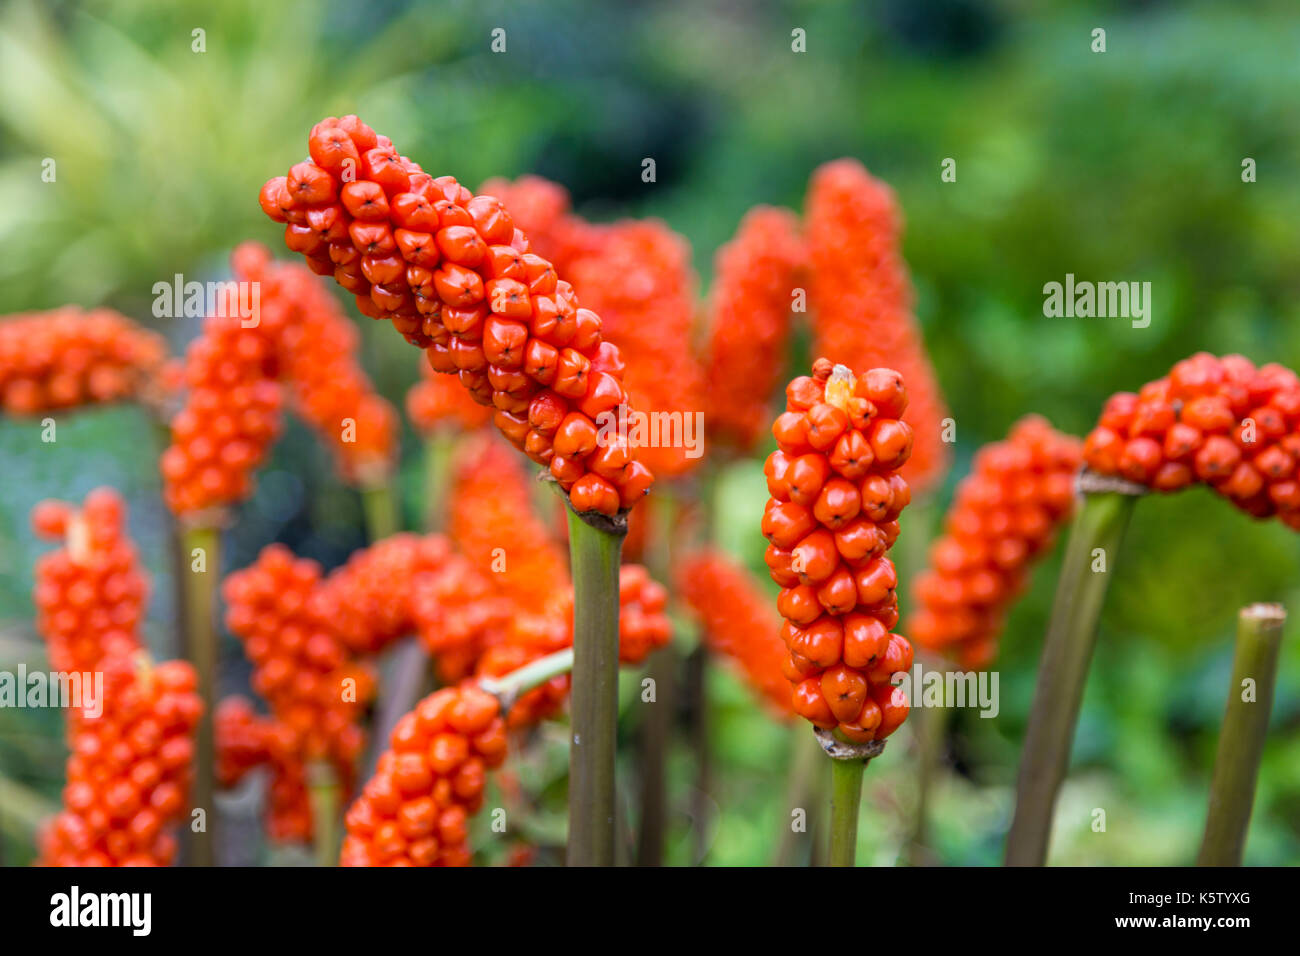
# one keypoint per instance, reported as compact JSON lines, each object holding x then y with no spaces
{"x":738,"y":622}
{"x":129,"y":770}
{"x":90,"y":594}
{"x":456,"y":278}
{"x":541,"y":209}
{"x":247,"y":741}
{"x":307,"y":675}
{"x":861,"y":299}
{"x":1004,"y":516}
{"x":416,"y":809}
{"x":1219,"y":421}
{"x":638,"y":276}
{"x":439,"y":400}
{"x":836,"y":498}
{"x":749,"y":322}
{"x":67,"y":357}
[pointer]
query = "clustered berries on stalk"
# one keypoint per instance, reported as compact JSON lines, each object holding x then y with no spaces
{"x":415,"y":811}
{"x":67,"y":357}
{"x":232,"y":413}
{"x":749,"y":311}
{"x":1004,"y":517}
{"x":316,"y":689}
{"x":457,"y":278}
{"x":129,"y":771}
{"x":1218,"y":421}
{"x":738,"y":622}
{"x":836,"y":497}
{"x":132,"y":750}
{"x":90,"y":593}
{"x":861,"y":299}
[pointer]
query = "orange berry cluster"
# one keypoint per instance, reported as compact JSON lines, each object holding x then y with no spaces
{"x":413,"y":584}
{"x":749,"y":322}
{"x":836,"y":497}
{"x":439,"y":400}
{"x":738,"y":622}
{"x":492,"y":522}
{"x":541,"y":209}
{"x":129,"y":771}
{"x":68,"y":357}
{"x":301,"y":667}
{"x":230,"y":417}
{"x":861,"y":298}
{"x":1219,"y":421}
{"x":90,"y":594}
{"x":638,"y":276}
{"x":415,"y":811}
{"x":1004,"y":516}
{"x":247,"y":741}
{"x":317,"y":349}
{"x":456,"y":278}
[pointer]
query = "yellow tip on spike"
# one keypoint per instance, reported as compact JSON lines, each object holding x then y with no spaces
{"x":839,"y":387}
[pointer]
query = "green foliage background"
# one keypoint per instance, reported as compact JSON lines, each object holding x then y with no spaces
{"x":1115,"y":166}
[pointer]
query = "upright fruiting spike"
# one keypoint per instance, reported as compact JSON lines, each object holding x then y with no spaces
{"x":836,"y":498}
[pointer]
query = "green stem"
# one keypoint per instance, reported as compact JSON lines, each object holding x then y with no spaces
{"x":656,"y":730}
{"x":437,"y":466}
{"x":201,"y":634}
{"x":1241,"y":740}
{"x":594,"y":561}
{"x":931,"y":727}
{"x":510,"y":687}
{"x":846,"y":799}
{"x":380,"y":507}
{"x":326,"y":798}
{"x":1090,"y":555}
{"x":805,"y":789}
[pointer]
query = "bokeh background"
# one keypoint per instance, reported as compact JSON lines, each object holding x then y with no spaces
{"x":1117,"y":166}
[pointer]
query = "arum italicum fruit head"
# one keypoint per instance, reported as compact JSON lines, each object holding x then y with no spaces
{"x":458,"y":279}
{"x":833,"y":514}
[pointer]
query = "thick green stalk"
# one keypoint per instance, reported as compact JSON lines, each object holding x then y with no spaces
{"x":657,"y":726}
{"x":1241,"y":740}
{"x":846,"y":799}
{"x":1090,"y":555}
{"x":594,"y":561}
{"x":437,"y":464}
{"x":202,"y":549}
{"x":380,"y":507}
{"x":326,"y":797}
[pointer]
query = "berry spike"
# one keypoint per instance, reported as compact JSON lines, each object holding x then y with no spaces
{"x":456,"y":277}
{"x":1003,"y":518}
{"x":1221,"y":422}
{"x":833,"y":515}
{"x":749,"y":323}
{"x":861,"y":299}
{"x":69,"y":357}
